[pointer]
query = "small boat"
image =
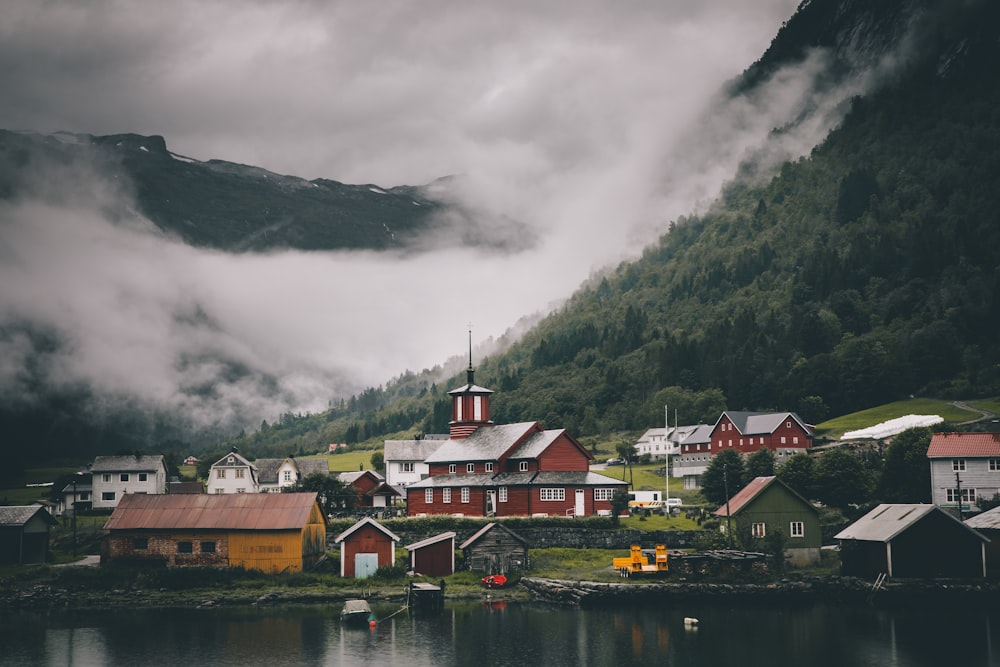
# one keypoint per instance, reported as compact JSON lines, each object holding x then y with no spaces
{"x":357,"y":613}
{"x":495,"y":581}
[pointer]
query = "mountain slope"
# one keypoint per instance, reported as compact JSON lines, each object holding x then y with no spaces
{"x":867,"y":272}
{"x":239,"y":208}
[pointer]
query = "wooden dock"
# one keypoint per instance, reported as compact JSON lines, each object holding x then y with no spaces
{"x":424,"y":597}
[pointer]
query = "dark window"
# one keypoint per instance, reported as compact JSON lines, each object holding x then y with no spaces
{"x":108,"y":495}
{"x":208,"y":547}
{"x":185,"y":548}
{"x":140,"y":543}
{"x":124,"y":477}
{"x":143,"y":477}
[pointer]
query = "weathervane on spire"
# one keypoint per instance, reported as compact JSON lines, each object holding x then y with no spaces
{"x":470,"y":372}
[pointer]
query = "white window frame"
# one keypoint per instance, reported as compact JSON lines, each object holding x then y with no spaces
{"x":429,"y":496}
{"x":143,"y":477}
{"x":241,"y":473}
{"x":220,"y":473}
{"x":968,"y":495}
{"x":406,"y":466}
{"x":523,"y":466}
{"x":758,"y":529}
{"x":603,"y":494}
{"x":446,"y":495}
{"x":123,"y":477}
{"x":502,"y":494}
{"x":552,"y":494}
{"x":470,"y":467}
{"x":107,"y":478}
{"x":958,"y":465}
{"x":452,"y":468}
{"x":465,"y":494}
{"x":489,"y":467}
{"x":797,"y":529}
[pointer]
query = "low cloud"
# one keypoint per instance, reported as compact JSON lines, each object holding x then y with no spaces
{"x":591,"y":126}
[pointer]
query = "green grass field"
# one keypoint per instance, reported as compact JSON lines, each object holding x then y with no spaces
{"x":834,"y":428}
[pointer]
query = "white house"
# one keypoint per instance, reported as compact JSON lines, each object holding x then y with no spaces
{"x":966,"y":466}
{"x":405,"y":460}
{"x":273,"y":475}
{"x":660,"y":442}
{"x":114,"y":476}
{"x":232,"y":474}
{"x":692,"y":465}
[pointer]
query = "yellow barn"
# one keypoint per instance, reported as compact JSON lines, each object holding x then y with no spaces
{"x":270,"y":532}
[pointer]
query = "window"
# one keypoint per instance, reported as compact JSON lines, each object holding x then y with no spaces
{"x":108,"y":495}
{"x":489,"y":467}
{"x":523,"y":466}
{"x":208,"y":547}
{"x":140,"y":543}
{"x":795,"y":439}
{"x":286,"y":476}
{"x":796,"y":529}
{"x":552,"y":494}
{"x":502,"y":494}
{"x":994,"y":464}
{"x":968,"y":495}
{"x":241,"y":490}
{"x":428,"y":496}
{"x":465,"y":494}
{"x":220,"y":490}
{"x":603,"y":494}
{"x":782,"y":439}
{"x":220,"y":473}
{"x":788,"y":424}
{"x":241,"y":473}
{"x":758,"y":530}
{"x":958,"y":465}
{"x":185,"y":547}
{"x":470,"y":467}
{"x":452,"y":468}
{"x":143,"y":477}
{"x":406,"y":466}
{"x":84,"y":495}
{"x":123,"y":477}
{"x":446,"y":495}
{"x":106,"y":477}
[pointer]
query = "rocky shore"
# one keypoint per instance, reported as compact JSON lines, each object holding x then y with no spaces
{"x":848,"y":590}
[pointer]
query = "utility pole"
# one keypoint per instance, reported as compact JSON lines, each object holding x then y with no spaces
{"x":958,"y":495}
{"x":729,"y":518}
{"x":666,"y":458}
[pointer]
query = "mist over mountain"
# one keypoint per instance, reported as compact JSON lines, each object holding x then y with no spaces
{"x":761,"y":256}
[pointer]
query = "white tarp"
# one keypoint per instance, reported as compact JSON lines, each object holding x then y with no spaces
{"x":892,"y":427}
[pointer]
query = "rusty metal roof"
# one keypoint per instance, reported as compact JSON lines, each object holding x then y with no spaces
{"x":221,"y":511}
{"x":964,"y":444}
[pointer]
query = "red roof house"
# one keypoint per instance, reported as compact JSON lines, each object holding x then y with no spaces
{"x":964,"y":466}
{"x":365,"y":547}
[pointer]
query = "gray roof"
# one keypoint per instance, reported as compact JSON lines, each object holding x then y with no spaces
{"x":18,"y":515}
{"x":540,"y":478}
{"x":410,"y":450}
{"x":313,"y":465}
{"x":486,"y":443}
{"x":989,"y":520}
{"x":267,"y":469}
{"x":488,"y":528}
{"x":238,"y":461}
{"x":84,"y":482}
{"x":886,"y":521}
{"x":701,"y":435}
{"x":757,"y":423}
{"x":128,"y":463}
{"x":471,"y":389}
{"x":431,"y":540}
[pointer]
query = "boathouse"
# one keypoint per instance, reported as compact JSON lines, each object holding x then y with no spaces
{"x":24,"y":534}
{"x":270,"y":532}
{"x":911,"y":541}
{"x":434,"y":556}
{"x":365,"y":547}
{"x":495,"y":549}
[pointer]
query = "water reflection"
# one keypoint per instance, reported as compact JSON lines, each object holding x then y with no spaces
{"x":497,"y":633}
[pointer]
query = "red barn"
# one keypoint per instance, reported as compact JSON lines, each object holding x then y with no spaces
{"x":485,"y":469}
{"x":365,"y":547}
{"x":435,"y":556}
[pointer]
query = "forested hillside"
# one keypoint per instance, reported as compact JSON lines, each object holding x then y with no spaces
{"x":867,"y":272}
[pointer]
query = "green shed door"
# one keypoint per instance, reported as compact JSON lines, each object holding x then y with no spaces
{"x":365,"y":565}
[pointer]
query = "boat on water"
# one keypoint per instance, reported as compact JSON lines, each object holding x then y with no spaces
{"x":357,"y":613}
{"x":495,"y":581}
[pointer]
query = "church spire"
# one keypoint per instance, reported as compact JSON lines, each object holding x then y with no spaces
{"x":470,"y":405}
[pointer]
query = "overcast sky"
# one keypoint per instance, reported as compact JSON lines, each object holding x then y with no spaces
{"x":575,"y":117}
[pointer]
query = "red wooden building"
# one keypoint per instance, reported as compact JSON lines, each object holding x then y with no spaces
{"x":485,"y":469}
{"x":746,"y":432}
{"x":365,"y":547}
{"x":435,"y":556}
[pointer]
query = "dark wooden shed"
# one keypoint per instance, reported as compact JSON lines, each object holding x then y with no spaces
{"x":495,"y":549}
{"x":24,"y":534}
{"x":911,"y":541}
{"x":434,"y":556}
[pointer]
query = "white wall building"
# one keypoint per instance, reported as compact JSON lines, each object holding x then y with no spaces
{"x":114,"y":476}
{"x":232,"y":474}
{"x":405,"y":460}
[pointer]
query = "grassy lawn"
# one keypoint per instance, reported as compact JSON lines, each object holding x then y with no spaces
{"x":835,"y":428}
{"x":351,"y":461}
{"x":17,"y":492}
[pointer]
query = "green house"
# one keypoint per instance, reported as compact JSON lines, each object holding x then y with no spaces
{"x":767,"y":506}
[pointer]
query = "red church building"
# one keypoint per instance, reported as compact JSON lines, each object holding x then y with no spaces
{"x":491,"y":470}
